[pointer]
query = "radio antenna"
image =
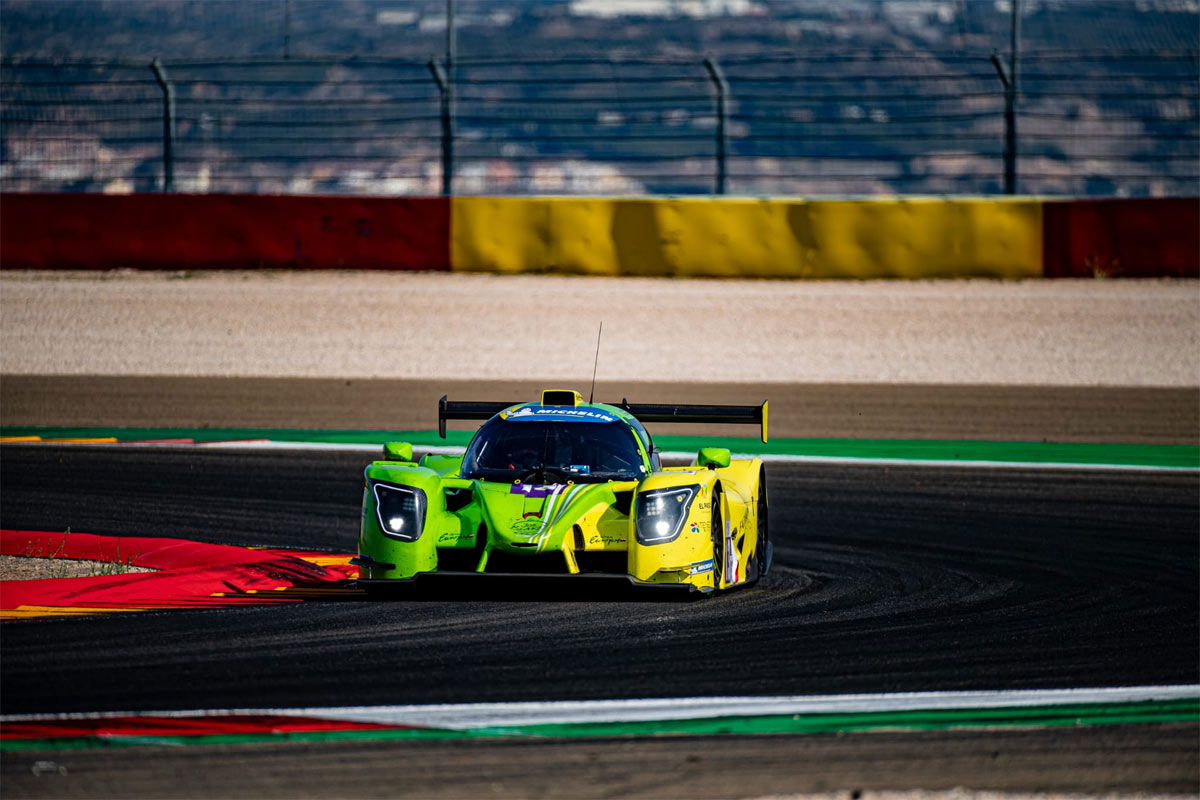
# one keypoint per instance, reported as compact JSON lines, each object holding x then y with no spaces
{"x":592,"y":394}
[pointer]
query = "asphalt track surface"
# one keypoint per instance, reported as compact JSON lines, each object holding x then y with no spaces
{"x":886,"y":579}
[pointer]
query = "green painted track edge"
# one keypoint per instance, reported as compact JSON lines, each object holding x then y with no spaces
{"x":1171,"y":456}
{"x":1186,"y":710}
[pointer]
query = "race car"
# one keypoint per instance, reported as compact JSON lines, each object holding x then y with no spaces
{"x":568,"y":487}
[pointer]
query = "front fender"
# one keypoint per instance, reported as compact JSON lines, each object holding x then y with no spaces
{"x":687,"y":558}
{"x":386,"y":557}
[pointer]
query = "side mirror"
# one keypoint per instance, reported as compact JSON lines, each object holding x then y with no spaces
{"x":397,"y":451}
{"x":713,"y":457}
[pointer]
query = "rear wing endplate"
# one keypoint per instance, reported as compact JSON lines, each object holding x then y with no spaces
{"x":645,"y":412}
{"x":466,"y":409}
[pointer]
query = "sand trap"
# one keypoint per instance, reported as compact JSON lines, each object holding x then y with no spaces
{"x":425,"y":325}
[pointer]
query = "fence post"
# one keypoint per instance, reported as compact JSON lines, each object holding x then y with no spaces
{"x":443,"y":83}
{"x":1010,"y":122}
{"x":160,"y":75}
{"x":1008,"y":77}
{"x":1010,"y":126}
{"x":718,"y":79}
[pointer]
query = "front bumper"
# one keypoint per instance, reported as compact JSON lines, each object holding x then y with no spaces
{"x":527,"y":586}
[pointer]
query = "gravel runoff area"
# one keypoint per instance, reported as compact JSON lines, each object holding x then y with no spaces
{"x":28,"y":568}
{"x":436,"y":325}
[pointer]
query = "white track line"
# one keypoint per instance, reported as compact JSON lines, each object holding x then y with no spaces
{"x":673,"y":455}
{"x":686,"y":457}
{"x":917,"y":462}
{"x":465,"y":716}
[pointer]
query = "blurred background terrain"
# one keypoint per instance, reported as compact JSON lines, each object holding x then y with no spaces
{"x":861,"y":97}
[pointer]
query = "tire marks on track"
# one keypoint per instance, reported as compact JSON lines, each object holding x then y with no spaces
{"x":886,"y":579}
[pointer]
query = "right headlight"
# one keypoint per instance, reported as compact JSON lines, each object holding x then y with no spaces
{"x":400,"y":510}
{"x":662,"y":512}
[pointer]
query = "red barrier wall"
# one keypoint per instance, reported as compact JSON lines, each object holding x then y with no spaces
{"x":181,"y":231}
{"x":1080,"y":238}
{"x":1135,"y":238}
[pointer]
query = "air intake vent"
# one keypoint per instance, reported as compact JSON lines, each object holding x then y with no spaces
{"x":622,"y":501}
{"x":610,"y":562}
{"x":542,"y":563}
{"x":561,"y":397}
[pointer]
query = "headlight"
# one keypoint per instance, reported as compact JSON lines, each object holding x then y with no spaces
{"x":400,"y":510}
{"x":661,"y":514}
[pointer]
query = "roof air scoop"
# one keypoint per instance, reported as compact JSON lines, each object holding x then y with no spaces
{"x":561,"y":397}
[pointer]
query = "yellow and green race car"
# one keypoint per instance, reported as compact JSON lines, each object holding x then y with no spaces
{"x":568,"y":487}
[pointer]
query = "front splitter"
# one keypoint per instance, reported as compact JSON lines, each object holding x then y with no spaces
{"x":525,"y":587}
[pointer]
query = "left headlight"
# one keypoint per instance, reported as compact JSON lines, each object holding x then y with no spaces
{"x":661,"y":513}
{"x":400,"y":510}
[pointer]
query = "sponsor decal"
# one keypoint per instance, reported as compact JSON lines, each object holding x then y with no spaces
{"x":527,"y":525}
{"x":555,"y":510}
{"x":695,"y":528}
{"x":531,"y":490}
{"x":700,"y":567}
{"x":559,"y":414}
{"x":448,"y":537}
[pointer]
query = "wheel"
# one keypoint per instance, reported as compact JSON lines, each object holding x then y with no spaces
{"x":717,"y":530}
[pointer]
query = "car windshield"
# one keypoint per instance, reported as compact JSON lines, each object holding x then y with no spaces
{"x":535,"y":451}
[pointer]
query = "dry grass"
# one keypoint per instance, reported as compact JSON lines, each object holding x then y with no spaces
{"x":30,"y":568}
{"x":35,"y":564}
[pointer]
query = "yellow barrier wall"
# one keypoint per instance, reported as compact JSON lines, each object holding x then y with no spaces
{"x":720,"y":237}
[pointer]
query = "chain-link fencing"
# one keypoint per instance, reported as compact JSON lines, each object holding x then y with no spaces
{"x":748,"y":97}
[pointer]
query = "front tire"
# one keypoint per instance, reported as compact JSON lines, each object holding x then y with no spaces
{"x":761,"y":549}
{"x":717,"y":528}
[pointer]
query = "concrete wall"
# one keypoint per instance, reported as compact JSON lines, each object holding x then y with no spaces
{"x":652,"y":236}
{"x":1122,"y":238}
{"x":718,"y":237}
{"x":182,"y":231}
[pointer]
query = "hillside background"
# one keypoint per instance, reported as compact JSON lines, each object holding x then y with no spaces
{"x":858,"y":97}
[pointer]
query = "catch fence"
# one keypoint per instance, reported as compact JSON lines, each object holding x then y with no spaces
{"x":1121,"y":123}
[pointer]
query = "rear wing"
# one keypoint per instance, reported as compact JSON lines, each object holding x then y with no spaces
{"x":644,"y":412}
{"x":466,"y":409}
{"x":724,"y":415}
